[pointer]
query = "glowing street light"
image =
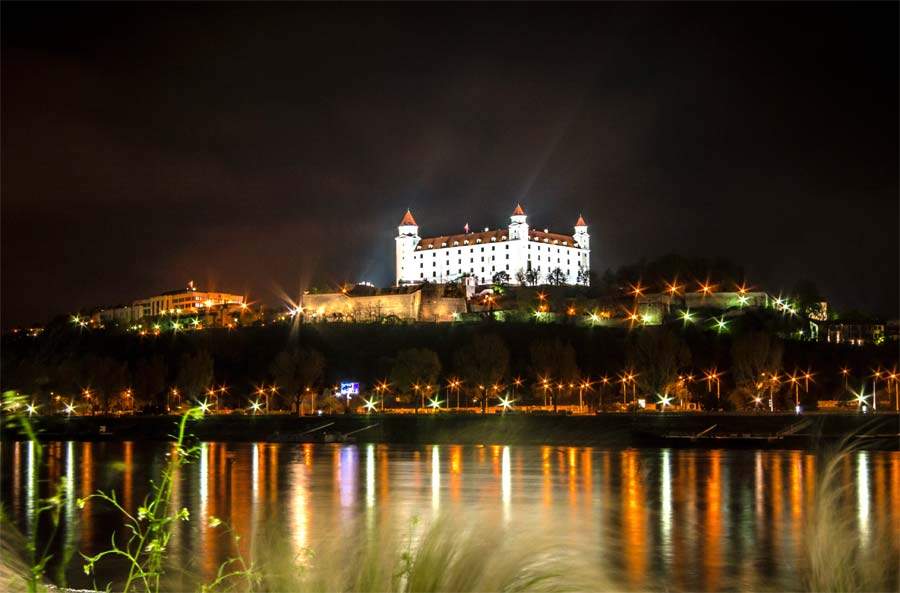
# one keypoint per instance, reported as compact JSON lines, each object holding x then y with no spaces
{"x":204,"y":406}
{"x":255,"y":406}
{"x":673,"y":288}
{"x":636,"y":290}
{"x":706,"y":288}
{"x":370,"y":405}
{"x":710,"y":376}
{"x":434,"y":403}
{"x":686,"y":316}
{"x":581,"y":387}
{"x":31,"y":409}
{"x":720,"y":324}
{"x":69,"y":408}
{"x":665,"y":400}
{"x":505,"y":403}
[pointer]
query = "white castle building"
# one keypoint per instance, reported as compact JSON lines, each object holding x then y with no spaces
{"x":523,"y":253}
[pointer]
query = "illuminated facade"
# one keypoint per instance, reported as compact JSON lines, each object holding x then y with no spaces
{"x":189,"y":300}
{"x":524,"y":254}
{"x":406,"y":303}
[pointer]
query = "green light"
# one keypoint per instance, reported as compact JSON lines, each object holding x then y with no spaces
{"x":255,"y":406}
{"x":204,"y":407}
{"x":506,"y":403}
{"x":434,"y":403}
{"x":686,"y":316}
{"x":369,"y":405}
{"x":720,"y":324}
{"x":176,"y":326}
{"x":743,"y":300}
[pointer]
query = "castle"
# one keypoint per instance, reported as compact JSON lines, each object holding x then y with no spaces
{"x":527,"y":256}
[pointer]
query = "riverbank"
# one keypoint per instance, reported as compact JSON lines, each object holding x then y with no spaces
{"x":602,"y":430}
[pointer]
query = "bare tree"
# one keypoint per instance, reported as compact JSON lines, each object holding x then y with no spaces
{"x":755,"y":357}
{"x":482,"y":363}
{"x":295,"y":370}
{"x":553,"y":360}
{"x":195,"y":374}
{"x":556,"y":277}
{"x":658,"y":354}
{"x":415,"y":369}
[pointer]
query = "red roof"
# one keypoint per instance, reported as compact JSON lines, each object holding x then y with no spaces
{"x":541,"y":235}
{"x":581,"y":221}
{"x":408,"y":219}
{"x":518,"y":211}
{"x":472,"y":238}
{"x":486,"y":236}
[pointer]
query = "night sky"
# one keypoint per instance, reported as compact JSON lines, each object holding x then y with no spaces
{"x":258,"y":148}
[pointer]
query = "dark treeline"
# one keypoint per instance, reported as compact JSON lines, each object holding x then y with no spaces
{"x":312,"y":357}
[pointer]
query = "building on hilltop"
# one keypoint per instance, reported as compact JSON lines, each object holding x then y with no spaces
{"x":361,"y":303}
{"x":187,"y":300}
{"x":526,"y":255}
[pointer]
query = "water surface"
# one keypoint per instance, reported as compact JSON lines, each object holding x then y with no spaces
{"x":655,"y":518}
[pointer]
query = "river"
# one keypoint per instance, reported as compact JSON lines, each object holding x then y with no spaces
{"x":663,"y":519}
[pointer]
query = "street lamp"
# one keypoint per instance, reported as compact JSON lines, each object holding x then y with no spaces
{"x":581,"y":387}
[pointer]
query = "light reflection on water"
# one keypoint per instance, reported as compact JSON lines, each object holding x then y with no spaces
{"x":674,"y":519}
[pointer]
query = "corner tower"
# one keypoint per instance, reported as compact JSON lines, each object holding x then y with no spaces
{"x":583,"y":240}
{"x":407,"y":238}
{"x":518,"y":243}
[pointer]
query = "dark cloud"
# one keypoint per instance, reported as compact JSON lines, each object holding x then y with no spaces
{"x":257,"y":147}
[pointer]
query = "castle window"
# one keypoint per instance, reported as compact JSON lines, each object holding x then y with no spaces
{"x":493,"y":238}
{"x":478,"y":240}
{"x":456,"y":242}
{"x":466,"y":242}
{"x":443,"y":244}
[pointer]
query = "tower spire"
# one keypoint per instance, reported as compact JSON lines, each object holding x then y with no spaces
{"x":408,"y":219}
{"x":518,"y":211}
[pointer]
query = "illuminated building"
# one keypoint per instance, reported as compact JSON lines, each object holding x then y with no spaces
{"x":855,"y":333}
{"x":517,"y":250}
{"x":403,"y":303}
{"x":188,"y":300}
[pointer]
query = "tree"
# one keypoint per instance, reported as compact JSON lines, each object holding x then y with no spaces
{"x":296,"y":369}
{"x":415,"y":368}
{"x":532,"y":277}
{"x":521,"y":278}
{"x":584,"y":277}
{"x":105,"y":376}
{"x":658,"y":354}
{"x":556,"y":277}
{"x":808,"y":298}
{"x":754,"y":353}
{"x":150,"y":382}
{"x":483,"y":362}
{"x":195,"y":374}
{"x":501,"y":278}
{"x":552,"y":359}
{"x":755,"y":356}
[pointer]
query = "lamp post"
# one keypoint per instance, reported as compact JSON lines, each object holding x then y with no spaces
{"x":581,"y":387}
